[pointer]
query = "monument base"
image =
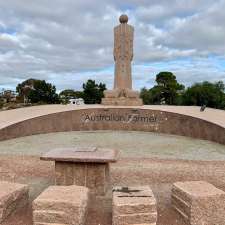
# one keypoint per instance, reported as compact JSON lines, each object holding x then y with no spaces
{"x":122,"y":101}
{"x":122,"y":97}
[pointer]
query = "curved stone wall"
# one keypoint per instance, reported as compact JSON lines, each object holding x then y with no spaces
{"x":117,"y":119}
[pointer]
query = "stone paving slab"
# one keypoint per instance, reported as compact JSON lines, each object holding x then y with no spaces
{"x":12,"y":197}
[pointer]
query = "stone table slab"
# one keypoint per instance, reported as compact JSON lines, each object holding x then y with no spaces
{"x":87,"y":154}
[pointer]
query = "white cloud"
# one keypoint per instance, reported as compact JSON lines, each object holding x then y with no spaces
{"x":67,"y":42}
{"x":205,"y":31}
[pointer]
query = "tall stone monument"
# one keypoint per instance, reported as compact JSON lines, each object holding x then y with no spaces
{"x":122,"y":94}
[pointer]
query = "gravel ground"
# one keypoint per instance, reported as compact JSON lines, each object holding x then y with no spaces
{"x":137,"y":166}
{"x":130,"y":144}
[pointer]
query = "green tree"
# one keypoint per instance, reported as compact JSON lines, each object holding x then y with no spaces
{"x":93,"y":93}
{"x":68,"y":94}
{"x":1,"y":102}
{"x":206,"y":93}
{"x":168,"y":87}
{"x":1,"y":99}
{"x":151,"y":96}
{"x":167,"y":90}
{"x":38,"y":91}
{"x":146,"y":96}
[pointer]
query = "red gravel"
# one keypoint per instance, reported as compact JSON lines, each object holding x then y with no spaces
{"x":159,"y":174}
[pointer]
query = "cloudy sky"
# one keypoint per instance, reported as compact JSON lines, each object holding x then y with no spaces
{"x":67,"y":42}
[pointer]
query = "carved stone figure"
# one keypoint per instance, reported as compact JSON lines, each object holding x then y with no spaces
{"x":123,"y":53}
{"x":122,"y":94}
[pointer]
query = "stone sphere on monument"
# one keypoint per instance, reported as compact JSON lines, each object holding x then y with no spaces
{"x":123,"y":18}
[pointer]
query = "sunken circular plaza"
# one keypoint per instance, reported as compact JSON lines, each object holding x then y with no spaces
{"x":146,"y":145}
{"x":159,"y":145}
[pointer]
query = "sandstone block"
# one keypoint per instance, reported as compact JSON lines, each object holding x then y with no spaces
{"x":61,"y":205}
{"x":122,"y":101}
{"x":134,"y":206}
{"x":95,"y":176}
{"x":112,"y":93}
{"x":83,"y":166}
{"x":199,"y":202}
{"x":12,"y":197}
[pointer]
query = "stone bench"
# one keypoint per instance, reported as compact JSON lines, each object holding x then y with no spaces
{"x":12,"y":197}
{"x":134,"y":206}
{"x":62,"y":205}
{"x":199,"y":202}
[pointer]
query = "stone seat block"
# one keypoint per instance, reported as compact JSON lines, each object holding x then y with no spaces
{"x":136,"y":218}
{"x":199,"y":202}
{"x":12,"y":197}
{"x":51,"y":216}
{"x":133,"y":206}
{"x":61,"y":205}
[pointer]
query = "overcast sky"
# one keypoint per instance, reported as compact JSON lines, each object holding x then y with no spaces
{"x":67,"y":42}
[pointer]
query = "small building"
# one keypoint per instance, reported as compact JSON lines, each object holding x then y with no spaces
{"x":8,"y":96}
{"x":76,"y":101}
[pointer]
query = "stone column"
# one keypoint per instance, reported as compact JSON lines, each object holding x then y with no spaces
{"x":123,"y":54}
{"x":122,"y":94}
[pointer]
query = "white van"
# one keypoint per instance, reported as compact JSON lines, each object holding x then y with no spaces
{"x":76,"y":101}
